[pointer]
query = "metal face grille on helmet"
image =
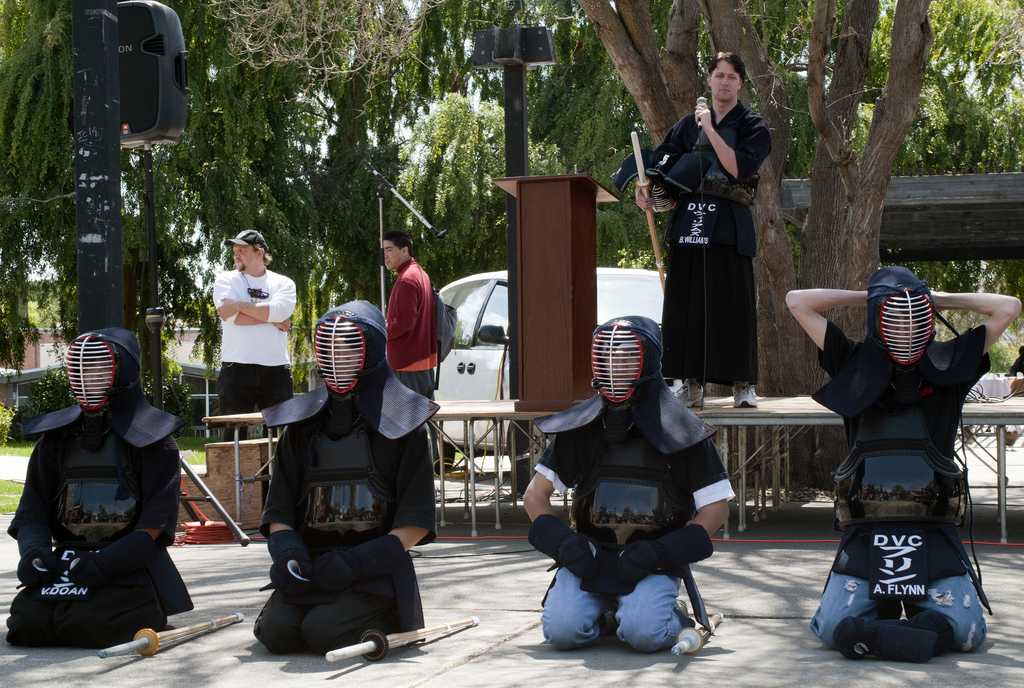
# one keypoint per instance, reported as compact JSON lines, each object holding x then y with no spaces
{"x":616,"y":358}
{"x":91,"y":367}
{"x":906,"y":324}
{"x":340,"y":350}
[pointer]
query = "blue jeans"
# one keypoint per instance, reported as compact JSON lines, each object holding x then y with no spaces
{"x":648,"y":617}
{"x":955,"y":598}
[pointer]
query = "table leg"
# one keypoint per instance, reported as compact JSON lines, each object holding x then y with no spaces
{"x":465,"y":469}
{"x":776,"y":465}
{"x":440,"y":468}
{"x":723,"y":451}
{"x":238,"y":478}
{"x":472,"y":479}
{"x":741,"y":458}
{"x":785,"y":473}
{"x":1001,"y":479}
{"x":497,"y":473}
{"x":513,"y":431}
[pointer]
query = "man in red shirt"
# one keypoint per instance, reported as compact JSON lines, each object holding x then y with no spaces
{"x":412,"y":330}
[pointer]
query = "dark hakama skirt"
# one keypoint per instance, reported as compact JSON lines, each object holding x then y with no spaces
{"x":709,"y":321}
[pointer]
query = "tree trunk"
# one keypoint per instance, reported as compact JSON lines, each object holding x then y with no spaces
{"x":682,"y":73}
{"x":824,"y":247}
{"x":894,"y":113}
{"x":627,"y":35}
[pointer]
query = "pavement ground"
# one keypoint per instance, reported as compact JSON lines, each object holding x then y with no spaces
{"x":767,"y":591}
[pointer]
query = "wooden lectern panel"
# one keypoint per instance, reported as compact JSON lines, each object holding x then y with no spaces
{"x":556,"y":287}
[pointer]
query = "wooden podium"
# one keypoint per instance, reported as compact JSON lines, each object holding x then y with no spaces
{"x":555,"y":286}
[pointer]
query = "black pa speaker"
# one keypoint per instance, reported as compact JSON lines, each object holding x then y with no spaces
{"x":154,"y":74}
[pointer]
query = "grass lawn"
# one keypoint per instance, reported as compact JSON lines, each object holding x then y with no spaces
{"x":196,"y":444}
{"x":198,"y":447}
{"x":10,"y":493}
{"x":17,"y":448}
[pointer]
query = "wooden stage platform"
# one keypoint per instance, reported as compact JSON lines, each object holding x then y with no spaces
{"x":776,"y":418}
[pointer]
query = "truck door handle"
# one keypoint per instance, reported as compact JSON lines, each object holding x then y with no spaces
{"x":461,"y":368}
{"x":471,"y":368}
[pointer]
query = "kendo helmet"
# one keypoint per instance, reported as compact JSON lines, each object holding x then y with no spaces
{"x":624,"y":353}
{"x":99,"y":364}
{"x":901,"y":314}
{"x":349,"y":341}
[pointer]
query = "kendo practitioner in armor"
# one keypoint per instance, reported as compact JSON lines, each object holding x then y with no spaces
{"x":706,"y":170}
{"x":649,"y":490}
{"x":99,"y":508}
{"x":900,"y":495}
{"x":352,"y":491}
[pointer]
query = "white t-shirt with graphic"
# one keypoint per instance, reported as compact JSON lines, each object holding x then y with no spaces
{"x":261,"y":344}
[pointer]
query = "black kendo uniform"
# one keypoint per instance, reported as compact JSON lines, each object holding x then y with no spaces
{"x":641,"y":465}
{"x":102,"y":471}
{"x":709,"y":293}
{"x":900,"y":494}
{"x":351,"y":465}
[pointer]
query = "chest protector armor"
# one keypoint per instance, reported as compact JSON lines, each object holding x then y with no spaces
{"x":629,"y":496}
{"x":346,"y":502}
{"x":895,"y":473}
{"x":94,"y":504}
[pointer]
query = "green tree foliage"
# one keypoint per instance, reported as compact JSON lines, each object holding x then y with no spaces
{"x":279,"y":150}
{"x":51,"y":392}
{"x":450,"y":161}
{"x":35,"y":160}
{"x":6,"y":418}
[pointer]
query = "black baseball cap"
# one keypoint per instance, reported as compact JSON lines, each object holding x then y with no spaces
{"x":248,"y":237}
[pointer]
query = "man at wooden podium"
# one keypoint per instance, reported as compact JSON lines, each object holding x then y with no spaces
{"x":706,"y":168}
{"x":650,"y":490}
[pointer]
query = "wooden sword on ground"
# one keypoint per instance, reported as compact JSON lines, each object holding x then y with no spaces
{"x":374,"y":645}
{"x":148,"y":642}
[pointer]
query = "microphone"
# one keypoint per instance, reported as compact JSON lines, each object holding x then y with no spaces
{"x":701,"y":102}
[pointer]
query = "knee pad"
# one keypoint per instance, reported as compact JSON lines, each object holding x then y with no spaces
{"x":932,"y":620}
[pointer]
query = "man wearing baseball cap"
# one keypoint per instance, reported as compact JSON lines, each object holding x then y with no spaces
{"x":255,"y":306}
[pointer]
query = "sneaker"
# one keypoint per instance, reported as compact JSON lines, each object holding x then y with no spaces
{"x":690,"y":393}
{"x":743,"y":395}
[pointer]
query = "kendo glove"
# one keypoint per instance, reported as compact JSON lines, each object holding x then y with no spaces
{"x":39,"y":565}
{"x":292,"y":567}
{"x":548,"y":534}
{"x":38,"y":568}
{"x":338,"y":569}
{"x":125,"y":555}
{"x":671,"y":551}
